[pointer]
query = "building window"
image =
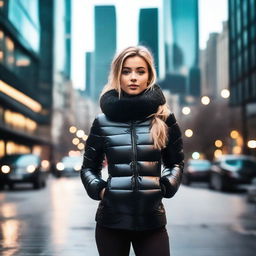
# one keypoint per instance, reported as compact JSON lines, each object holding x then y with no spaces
{"x":1,"y":6}
{"x":252,"y":33}
{"x":252,"y":10}
{"x":14,"y":148}
{"x":245,"y":38}
{"x":254,"y":84}
{"x":1,"y":114}
{"x":253,"y":56}
{"x":239,"y":44}
{"x":9,"y":46}
{"x":233,"y":27}
{"x":238,"y":21}
{"x":1,"y":46}
{"x":2,"y":148}
{"x":19,"y":121}
{"x":239,"y":66}
{"x":245,"y":13}
{"x":245,"y":61}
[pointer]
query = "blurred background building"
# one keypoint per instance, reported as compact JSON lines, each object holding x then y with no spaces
{"x":25,"y":82}
{"x":148,"y":32}
{"x":242,"y":61}
{"x":181,"y":48}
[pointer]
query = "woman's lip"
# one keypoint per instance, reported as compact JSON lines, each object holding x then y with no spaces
{"x":133,"y":85}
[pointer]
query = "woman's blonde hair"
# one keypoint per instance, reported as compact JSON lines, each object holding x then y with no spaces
{"x":159,"y":129}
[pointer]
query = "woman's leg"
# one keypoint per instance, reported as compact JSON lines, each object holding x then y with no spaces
{"x":151,"y":243}
{"x":112,"y":242}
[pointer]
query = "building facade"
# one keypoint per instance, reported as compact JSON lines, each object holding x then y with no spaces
{"x":63,"y":111}
{"x":209,"y":67}
{"x":148,"y":32}
{"x":222,"y":60}
{"x":182,"y":45}
{"x":242,"y":61}
{"x":25,"y":86}
{"x":104,"y":49}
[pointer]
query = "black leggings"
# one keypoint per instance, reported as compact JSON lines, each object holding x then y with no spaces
{"x":116,"y":242}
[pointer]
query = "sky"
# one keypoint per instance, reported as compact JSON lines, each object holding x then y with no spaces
{"x":211,"y":15}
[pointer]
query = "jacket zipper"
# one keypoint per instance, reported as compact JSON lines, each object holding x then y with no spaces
{"x":134,"y":159}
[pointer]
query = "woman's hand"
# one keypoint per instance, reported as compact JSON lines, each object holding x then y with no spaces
{"x":102,"y":192}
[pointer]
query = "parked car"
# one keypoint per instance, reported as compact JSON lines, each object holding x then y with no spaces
{"x":23,"y":168}
{"x":69,"y":166}
{"x":251,"y":192}
{"x":196,"y":170}
{"x":231,"y":170}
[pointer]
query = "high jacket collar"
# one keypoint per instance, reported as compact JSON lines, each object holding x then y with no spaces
{"x":131,"y":107}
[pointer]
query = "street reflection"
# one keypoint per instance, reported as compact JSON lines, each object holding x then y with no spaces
{"x":61,"y":200}
{"x":9,"y":230}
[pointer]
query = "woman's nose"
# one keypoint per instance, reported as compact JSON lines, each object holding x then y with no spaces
{"x":133,"y":76}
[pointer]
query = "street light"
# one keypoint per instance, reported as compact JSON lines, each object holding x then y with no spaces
{"x":234,"y":134}
{"x":251,"y":144}
{"x":80,"y":133}
{"x":205,"y":100}
{"x":75,"y":141}
{"x":72,"y":129}
{"x":196,"y":155}
{"x":237,"y":150}
{"x":85,"y":137}
{"x":186,"y":110}
{"x":189,"y":133}
{"x":80,"y":146}
{"x":218,"y":143}
{"x":225,"y":93}
{"x":217,"y":153}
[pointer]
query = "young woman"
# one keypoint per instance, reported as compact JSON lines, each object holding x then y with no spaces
{"x":138,"y":135}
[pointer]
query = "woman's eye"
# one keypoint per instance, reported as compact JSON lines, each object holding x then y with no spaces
{"x":125,"y":72}
{"x":141,"y":72}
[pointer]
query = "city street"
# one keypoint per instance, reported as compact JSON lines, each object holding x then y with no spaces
{"x":59,"y":220}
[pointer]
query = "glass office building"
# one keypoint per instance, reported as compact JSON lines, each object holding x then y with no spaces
{"x":242,"y":62}
{"x":105,"y":47}
{"x":182,"y":44}
{"x":148,"y":32}
{"x":22,"y":112}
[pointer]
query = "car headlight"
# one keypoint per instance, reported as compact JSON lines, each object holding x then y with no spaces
{"x":31,"y":168}
{"x":60,"y":166}
{"x":77,"y":167}
{"x":5,"y":169}
{"x":45,"y":164}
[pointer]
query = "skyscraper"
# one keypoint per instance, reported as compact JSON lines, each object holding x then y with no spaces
{"x":25,"y":93}
{"x":182,"y":43}
{"x":105,"y":46}
{"x":148,"y":32}
{"x":242,"y":63}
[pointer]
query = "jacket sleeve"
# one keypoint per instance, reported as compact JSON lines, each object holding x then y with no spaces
{"x":92,"y":163}
{"x":173,"y":159}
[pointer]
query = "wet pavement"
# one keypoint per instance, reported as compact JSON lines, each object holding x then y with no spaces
{"x":59,"y":221}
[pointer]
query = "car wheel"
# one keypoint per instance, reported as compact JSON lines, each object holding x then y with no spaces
{"x":44,"y":184}
{"x":37,"y":184}
{"x":11,"y":186}
{"x":216,"y":182}
{"x":186,"y":180}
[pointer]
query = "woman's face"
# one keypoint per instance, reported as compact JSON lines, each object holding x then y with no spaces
{"x":134,"y":75}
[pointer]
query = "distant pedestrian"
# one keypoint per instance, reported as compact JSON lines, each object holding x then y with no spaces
{"x":138,"y":134}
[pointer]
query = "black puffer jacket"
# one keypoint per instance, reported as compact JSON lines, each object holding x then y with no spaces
{"x":136,"y":183}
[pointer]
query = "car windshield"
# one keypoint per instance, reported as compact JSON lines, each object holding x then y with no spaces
{"x":20,"y":160}
{"x":200,"y":165}
{"x":72,"y":160}
{"x":241,"y":163}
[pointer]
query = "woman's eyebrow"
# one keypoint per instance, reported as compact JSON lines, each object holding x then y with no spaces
{"x":136,"y":67}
